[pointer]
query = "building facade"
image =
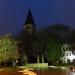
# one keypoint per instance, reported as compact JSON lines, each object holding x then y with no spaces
{"x":68,"y":55}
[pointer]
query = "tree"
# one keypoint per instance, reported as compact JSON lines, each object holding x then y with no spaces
{"x":61,"y":31}
{"x":8,"y":48}
{"x":26,"y":45}
{"x":53,"y":50}
{"x":72,"y":36}
{"x":41,"y":42}
{"x":43,"y":37}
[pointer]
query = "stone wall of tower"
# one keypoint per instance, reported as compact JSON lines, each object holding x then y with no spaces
{"x":30,"y":34}
{"x":30,"y":28}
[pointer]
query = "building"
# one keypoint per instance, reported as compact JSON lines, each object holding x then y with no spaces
{"x":30,"y":31}
{"x":29,"y":25}
{"x":68,"y":55}
{"x":28,"y":36}
{"x":28,"y":41}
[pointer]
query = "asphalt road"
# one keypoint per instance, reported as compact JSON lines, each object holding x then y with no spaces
{"x":50,"y":71}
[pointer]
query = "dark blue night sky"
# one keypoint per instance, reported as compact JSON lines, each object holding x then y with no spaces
{"x":45,"y":12}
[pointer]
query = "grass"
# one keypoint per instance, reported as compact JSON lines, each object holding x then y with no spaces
{"x":34,"y":66}
{"x":19,"y":68}
{"x":37,"y":65}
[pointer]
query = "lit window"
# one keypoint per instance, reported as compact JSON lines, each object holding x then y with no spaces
{"x":67,"y":54}
{"x":70,"y":54}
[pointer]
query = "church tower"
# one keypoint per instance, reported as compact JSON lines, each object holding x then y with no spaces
{"x":27,"y":38}
{"x":29,"y":25}
{"x":30,"y":37}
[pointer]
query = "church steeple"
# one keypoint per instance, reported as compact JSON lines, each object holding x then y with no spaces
{"x":29,"y":25}
{"x":29,"y":19}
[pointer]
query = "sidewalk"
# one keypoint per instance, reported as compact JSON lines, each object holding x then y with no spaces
{"x":60,"y":67}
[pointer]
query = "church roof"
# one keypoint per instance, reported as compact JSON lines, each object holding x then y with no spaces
{"x":29,"y":19}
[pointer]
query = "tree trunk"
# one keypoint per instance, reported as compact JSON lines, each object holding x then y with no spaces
{"x":38,"y":60}
{"x":25,"y":60}
{"x":42,"y":58}
{"x":14,"y":63}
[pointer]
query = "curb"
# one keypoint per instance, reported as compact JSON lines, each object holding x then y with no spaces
{"x":63,"y":68}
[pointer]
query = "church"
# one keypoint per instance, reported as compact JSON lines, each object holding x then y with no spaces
{"x":30,"y":31}
{"x":28,"y":36}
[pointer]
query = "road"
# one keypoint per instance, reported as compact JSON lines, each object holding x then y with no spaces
{"x":49,"y":71}
{"x":52,"y":71}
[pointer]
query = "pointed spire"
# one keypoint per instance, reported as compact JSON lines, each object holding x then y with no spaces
{"x":29,"y":19}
